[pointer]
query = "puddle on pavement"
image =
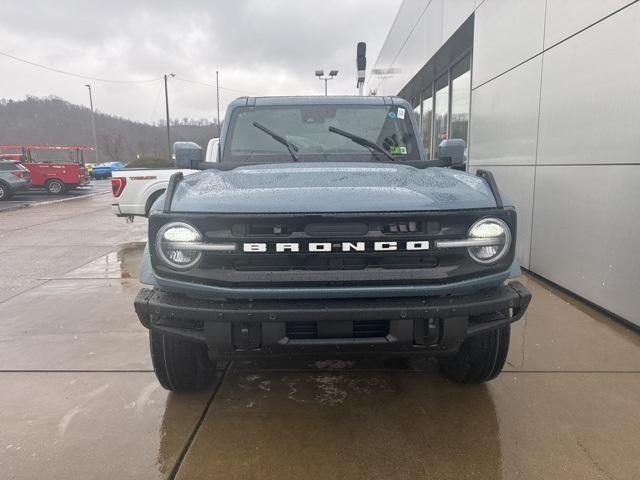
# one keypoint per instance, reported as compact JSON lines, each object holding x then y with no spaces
{"x":122,"y":263}
{"x":405,"y":425}
{"x":352,"y":424}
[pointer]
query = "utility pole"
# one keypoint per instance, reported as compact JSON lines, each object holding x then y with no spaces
{"x":320,"y":75}
{"x":93,"y":125}
{"x":218,"y":101}
{"x":166,"y":100}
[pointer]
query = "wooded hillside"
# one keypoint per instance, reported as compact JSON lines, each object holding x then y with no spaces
{"x":56,"y":121}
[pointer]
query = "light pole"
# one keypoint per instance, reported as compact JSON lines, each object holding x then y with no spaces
{"x":166,"y":101}
{"x":320,"y":75}
{"x":93,"y":124}
{"x":361,"y":64}
{"x":218,"y":101}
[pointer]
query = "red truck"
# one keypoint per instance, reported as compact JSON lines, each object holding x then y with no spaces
{"x":58,"y":168}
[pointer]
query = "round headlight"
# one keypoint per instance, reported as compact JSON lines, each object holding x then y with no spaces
{"x":172,"y":245}
{"x":497,"y":237}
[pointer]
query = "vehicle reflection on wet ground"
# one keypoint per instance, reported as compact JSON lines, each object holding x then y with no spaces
{"x":40,"y":195}
{"x":79,"y":399}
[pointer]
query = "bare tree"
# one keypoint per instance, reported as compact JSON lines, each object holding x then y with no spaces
{"x":113,"y":145}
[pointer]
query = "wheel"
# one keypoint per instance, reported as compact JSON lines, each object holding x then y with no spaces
{"x":180,"y":365}
{"x":55,"y":187}
{"x":480,"y":357}
{"x":5,"y":192}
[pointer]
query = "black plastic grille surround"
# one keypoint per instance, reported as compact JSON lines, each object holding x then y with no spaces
{"x":240,"y":269}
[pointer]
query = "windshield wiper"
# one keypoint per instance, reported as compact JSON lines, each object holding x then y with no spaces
{"x":374,"y":147}
{"x":278,"y":138}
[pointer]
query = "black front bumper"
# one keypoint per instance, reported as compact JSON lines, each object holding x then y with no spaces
{"x":237,"y":329}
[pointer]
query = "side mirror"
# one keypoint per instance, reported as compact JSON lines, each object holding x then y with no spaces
{"x":187,"y":155}
{"x":212,"y":151}
{"x":452,"y":150}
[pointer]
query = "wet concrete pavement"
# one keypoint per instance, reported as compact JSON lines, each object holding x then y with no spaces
{"x":46,"y":241}
{"x":37,"y":196}
{"x":78,"y":398}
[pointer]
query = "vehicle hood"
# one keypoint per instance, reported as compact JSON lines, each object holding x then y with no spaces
{"x":330,"y":188}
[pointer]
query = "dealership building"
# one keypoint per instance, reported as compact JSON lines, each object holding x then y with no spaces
{"x":546,"y":95}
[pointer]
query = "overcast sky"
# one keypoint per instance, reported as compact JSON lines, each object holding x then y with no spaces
{"x":261,"y":47}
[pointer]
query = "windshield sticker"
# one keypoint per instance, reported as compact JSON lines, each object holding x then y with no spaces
{"x":391,"y":114}
{"x":398,"y":150}
{"x":401,"y":113}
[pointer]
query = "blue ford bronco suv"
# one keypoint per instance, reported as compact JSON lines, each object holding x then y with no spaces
{"x":323,"y":230}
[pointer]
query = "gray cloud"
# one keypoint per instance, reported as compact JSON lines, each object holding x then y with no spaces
{"x":264,"y":47}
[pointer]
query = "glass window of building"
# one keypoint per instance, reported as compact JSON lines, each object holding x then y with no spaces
{"x":427,"y":121}
{"x":417,"y":109}
{"x":460,"y":99}
{"x":441,"y":113}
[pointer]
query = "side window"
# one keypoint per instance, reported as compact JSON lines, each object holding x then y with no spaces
{"x":441,"y":114}
{"x":460,"y":99}
{"x":427,"y":121}
{"x":417,"y":110}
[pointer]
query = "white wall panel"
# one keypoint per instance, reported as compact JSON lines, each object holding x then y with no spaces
{"x":433,"y":36}
{"x":504,"y":118}
{"x":422,"y":44}
{"x":454,"y":13}
{"x":516,"y":183}
{"x":590,"y":106}
{"x":408,"y":15}
{"x":585,"y":233}
{"x":507,"y":32}
{"x":423,"y":35}
{"x":566,"y":17}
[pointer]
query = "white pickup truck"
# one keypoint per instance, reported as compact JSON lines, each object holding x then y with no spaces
{"x":135,"y":190}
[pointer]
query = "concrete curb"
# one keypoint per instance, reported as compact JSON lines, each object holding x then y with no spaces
{"x":51,"y":202}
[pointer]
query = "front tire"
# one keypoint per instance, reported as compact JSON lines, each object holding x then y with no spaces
{"x":55,"y":187}
{"x":5,"y":192}
{"x":180,"y":365}
{"x":480,"y":358}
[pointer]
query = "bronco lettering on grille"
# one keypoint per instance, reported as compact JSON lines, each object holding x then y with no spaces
{"x":327,"y":247}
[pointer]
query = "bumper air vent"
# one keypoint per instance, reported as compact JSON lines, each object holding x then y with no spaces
{"x":367,"y":328}
{"x":301,"y":330}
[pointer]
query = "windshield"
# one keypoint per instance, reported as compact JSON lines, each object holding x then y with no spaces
{"x":316,"y":133}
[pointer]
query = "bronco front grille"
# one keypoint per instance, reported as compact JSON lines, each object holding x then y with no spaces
{"x":269,"y":268}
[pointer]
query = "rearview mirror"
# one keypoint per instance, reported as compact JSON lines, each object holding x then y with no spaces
{"x":452,"y":150}
{"x":187,"y":155}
